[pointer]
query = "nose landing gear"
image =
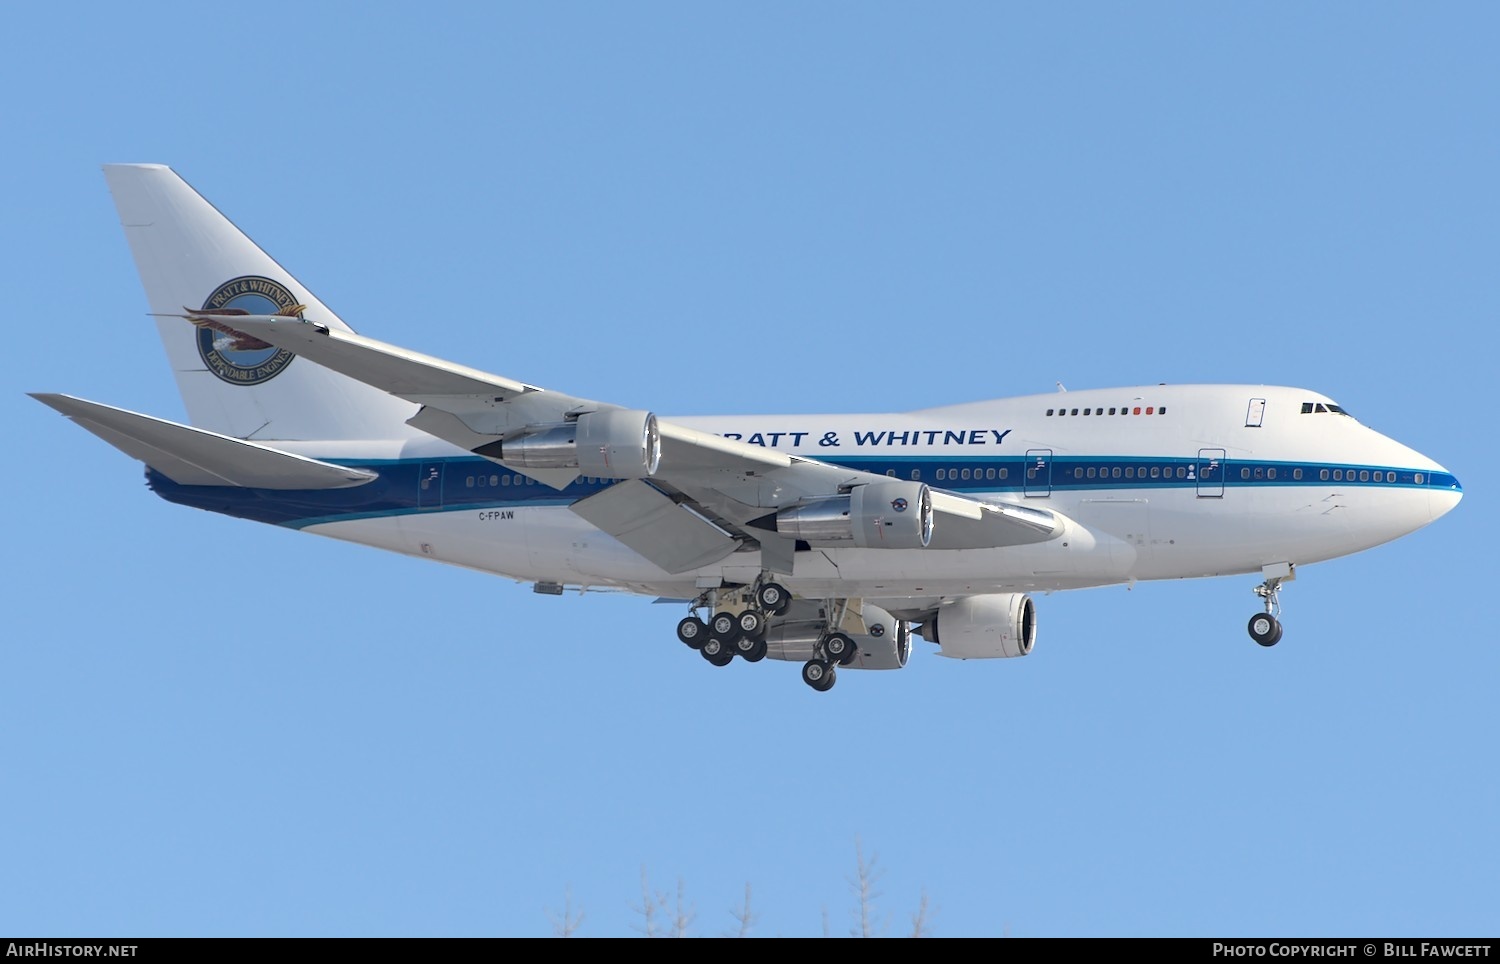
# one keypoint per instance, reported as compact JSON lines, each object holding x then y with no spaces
{"x":1265,"y":628}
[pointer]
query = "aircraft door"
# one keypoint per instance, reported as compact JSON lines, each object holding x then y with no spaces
{"x":1038,"y":482}
{"x":430,"y":485}
{"x":1210,"y":472}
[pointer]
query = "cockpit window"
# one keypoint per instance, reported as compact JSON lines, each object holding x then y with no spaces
{"x":1309,"y":408}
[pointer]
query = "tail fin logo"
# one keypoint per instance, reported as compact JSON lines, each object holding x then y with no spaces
{"x":236,"y":357}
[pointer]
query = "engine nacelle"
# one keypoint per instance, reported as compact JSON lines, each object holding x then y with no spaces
{"x":984,"y":627}
{"x":879,"y":515}
{"x":612,"y":444}
{"x":886,"y":643}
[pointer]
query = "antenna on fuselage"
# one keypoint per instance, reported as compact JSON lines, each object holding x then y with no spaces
{"x":1061,"y":387}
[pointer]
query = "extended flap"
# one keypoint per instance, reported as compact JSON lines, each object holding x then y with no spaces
{"x":672,"y":536}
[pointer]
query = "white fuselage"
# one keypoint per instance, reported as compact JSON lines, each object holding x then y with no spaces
{"x":1160,"y":482}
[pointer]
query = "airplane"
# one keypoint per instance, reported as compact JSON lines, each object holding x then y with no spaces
{"x":830,"y":540}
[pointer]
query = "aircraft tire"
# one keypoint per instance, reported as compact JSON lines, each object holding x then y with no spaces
{"x":1265,"y":629}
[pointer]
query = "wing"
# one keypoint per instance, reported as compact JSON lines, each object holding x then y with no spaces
{"x":688,"y":498}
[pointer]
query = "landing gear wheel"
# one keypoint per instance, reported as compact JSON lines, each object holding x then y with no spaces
{"x":1265,"y":629}
{"x":692,"y":631}
{"x":818,"y":674}
{"x":752,"y":624}
{"x":725,"y":626}
{"x":716,"y":651}
{"x":773,"y":598}
{"x":751,"y":650}
{"x":840,"y":648}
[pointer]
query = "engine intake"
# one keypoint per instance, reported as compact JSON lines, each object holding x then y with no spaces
{"x":612,"y":444}
{"x":984,"y":627}
{"x":878,"y":515}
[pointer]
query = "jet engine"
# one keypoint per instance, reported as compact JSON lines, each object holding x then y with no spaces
{"x":984,"y":627}
{"x":611,"y":444}
{"x":878,"y":515}
{"x":886,"y":643}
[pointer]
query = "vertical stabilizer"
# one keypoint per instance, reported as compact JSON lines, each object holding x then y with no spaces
{"x":191,"y":256}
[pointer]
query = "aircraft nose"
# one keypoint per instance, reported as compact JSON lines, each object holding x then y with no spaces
{"x":1443,"y":492}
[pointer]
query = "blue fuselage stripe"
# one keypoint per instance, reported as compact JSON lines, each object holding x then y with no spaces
{"x":408,"y":486}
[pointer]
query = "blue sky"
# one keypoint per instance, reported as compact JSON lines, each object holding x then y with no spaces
{"x":214,"y":727}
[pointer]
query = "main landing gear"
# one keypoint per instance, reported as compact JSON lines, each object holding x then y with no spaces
{"x":738,"y":627}
{"x":1265,"y":628}
{"x":833,"y":650}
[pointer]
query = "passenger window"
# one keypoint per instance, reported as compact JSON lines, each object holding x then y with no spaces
{"x":1364,"y":475}
{"x":1075,"y":411}
{"x":989,"y":473}
{"x":1270,"y":473}
{"x":1129,"y":471}
{"x":469,"y":482}
{"x":1049,"y":412}
{"x":1323,"y":475}
{"x":1244,"y":473}
{"x":965,"y":475}
{"x":1031,"y":473}
{"x":1088,"y":411}
{"x":1137,"y":410}
{"x":1155,"y":471}
{"x":1078,"y":472}
{"x":1338,"y":475}
{"x":1419,"y":478}
{"x":1004,"y":473}
{"x":1297,"y":475}
{"x":916,"y":475}
{"x":1091,"y":471}
{"x":494,"y":480}
{"x":1115,"y":472}
{"x":891,"y":473}
{"x":1150,"y":410}
{"x":942,"y":475}
{"x":1390,"y":476}
{"x":505,"y":480}
{"x":1162,"y":410}
{"x":1111,"y":411}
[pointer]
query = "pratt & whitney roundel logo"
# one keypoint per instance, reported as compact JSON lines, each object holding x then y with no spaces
{"x":236,"y":357}
{"x":898,"y":504}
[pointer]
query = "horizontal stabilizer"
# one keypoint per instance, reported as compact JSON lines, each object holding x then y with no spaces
{"x":672,"y":536}
{"x":193,"y":456}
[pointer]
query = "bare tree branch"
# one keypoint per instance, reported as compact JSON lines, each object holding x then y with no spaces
{"x":921,"y":921}
{"x":743,"y":916}
{"x":647,"y":908}
{"x":683,"y":914}
{"x":567,"y":923}
{"x":867,"y":874}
